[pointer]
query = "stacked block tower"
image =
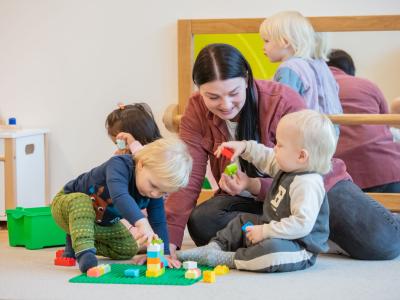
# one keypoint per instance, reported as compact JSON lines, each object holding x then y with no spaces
{"x":156,"y":261}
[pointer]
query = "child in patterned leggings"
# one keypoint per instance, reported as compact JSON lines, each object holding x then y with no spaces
{"x":89,"y":208}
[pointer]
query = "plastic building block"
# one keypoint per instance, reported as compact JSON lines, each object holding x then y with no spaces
{"x":65,"y":261}
{"x":155,"y":258}
{"x":120,"y":144}
{"x":209,"y":276}
{"x":228,"y":153}
{"x":231,"y":169}
{"x":153,"y":248}
{"x":193,"y":273}
{"x":132,"y":272}
{"x":221,"y":270}
{"x":117,"y":276}
{"x":157,"y":241}
{"x":59,"y":253}
{"x":99,"y":270}
{"x":155,"y":273}
{"x":248,"y":223}
{"x":189,"y":265}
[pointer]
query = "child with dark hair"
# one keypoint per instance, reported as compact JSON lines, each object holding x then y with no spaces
{"x":133,"y":124}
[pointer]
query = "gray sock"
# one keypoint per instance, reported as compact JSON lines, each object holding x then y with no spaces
{"x":219,"y":257}
{"x":198,"y":254}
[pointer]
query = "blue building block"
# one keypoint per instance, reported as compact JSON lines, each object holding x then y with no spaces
{"x":153,"y":254}
{"x":132,"y":272}
{"x":246,"y":224}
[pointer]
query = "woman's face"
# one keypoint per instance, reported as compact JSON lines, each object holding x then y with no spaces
{"x":225,"y":98}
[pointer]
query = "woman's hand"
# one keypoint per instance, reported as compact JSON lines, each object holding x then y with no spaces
{"x":145,"y":233}
{"x":238,"y":148}
{"x":235,"y":184}
{"x":139,"y":259}
{"x":172,"y":257}
{"x":254,"y":233}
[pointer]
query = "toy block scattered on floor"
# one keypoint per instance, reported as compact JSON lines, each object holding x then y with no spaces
{"x":193,"y":273}
{"x":156,"y":261}
{"x":98,"y":271}
{"x":132,"y":273}
{"x":248,"y":223}
{"x":189,"y":265}
{"x":209,"y":276}
{"x":221,"y":270}
{"x":64,"y":261}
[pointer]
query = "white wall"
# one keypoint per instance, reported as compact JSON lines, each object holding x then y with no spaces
{"x":64,"y":64}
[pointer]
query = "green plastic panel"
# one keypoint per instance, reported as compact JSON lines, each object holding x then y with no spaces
{"x":116,"y":276}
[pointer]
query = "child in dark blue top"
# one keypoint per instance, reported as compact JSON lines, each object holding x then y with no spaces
{"x":89,"y":208}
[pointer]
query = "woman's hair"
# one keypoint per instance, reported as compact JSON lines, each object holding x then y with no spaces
{"x":169,"y":160}
{"x":341,"y":59}
{"x":293,"y":28}
{"x":136,"y":119}
{"x":318,"y":136}
{"x":222,"y":62}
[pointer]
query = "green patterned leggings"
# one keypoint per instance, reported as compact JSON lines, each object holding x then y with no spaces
{"x":75,"y":214}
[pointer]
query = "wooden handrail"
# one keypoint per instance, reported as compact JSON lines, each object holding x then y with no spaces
{"x":172,"y":119}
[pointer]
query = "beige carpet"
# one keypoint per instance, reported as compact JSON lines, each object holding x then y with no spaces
{"x":30,"y":274}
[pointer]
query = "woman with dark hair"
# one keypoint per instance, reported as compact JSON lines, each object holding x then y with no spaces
{"x":371,"y":156}
{"x":231,"y":105}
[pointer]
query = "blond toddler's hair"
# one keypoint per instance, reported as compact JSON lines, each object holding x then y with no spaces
{"x":317,"y":136}
{"x":295,"y":29}
{"x":170,"y":161}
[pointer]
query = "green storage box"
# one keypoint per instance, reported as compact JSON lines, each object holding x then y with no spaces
{"x":33,"y":228}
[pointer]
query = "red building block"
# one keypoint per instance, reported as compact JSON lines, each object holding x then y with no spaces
{"x":227,"y":153}
{"x":64,"y":261}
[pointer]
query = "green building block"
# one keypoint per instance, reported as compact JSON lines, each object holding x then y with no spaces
{"x":231,"y":169}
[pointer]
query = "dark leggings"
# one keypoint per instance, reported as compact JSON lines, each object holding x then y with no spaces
{"x":393,"y":187}
{"x":358,"y":224}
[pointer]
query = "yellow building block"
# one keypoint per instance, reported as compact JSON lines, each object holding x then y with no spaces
{"x":154,"y":267}
{"x":221,"y":270}
{"x":152,"y":273}
{"x":209,"y":276}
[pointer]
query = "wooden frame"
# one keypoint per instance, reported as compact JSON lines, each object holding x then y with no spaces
{"x":188,"y":28}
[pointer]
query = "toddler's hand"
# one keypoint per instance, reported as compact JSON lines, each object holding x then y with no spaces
{"x":254,"y":233}
{"x":238,"y":148}
{"x":127,"y":137}
{"x":139,"y":259}
{"x":145,"y":233}
{"x":235,"y":184}
{"x":173,"y":262}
